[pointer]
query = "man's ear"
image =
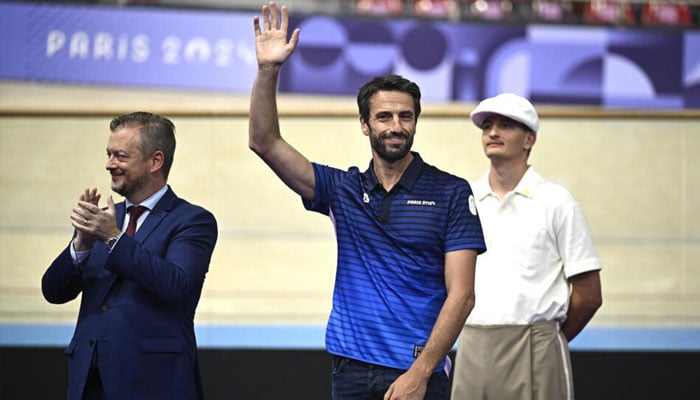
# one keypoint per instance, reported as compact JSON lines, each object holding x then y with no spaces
{"x":364,"y":126}
{"x":157,"y":160}
{"x":530,"y":140}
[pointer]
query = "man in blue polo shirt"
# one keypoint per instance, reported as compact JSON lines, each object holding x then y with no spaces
{"x":408,"y":235}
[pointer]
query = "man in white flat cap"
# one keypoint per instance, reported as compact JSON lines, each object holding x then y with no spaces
{"x":538,"y":285}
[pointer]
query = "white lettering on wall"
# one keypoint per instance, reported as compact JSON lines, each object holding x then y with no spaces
{"x":197,"y":50}
{"x":223,"y":53}
{"x":246,"y":53}
{"x":79,"y":46}
{"x":107,"y":47}
{"x":122,"y":47}
{"x":140,"y":48}
{"x":171,"y":50}
{"x":102,"y":47}
{"x":55,"y":41}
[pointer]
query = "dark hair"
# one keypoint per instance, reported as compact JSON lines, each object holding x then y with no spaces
{"x":155,"y":133}
{"x":391,"y":83}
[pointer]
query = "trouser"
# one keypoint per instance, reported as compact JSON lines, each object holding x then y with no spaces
{"x":518,"y":362}
{"x":357,"y":380}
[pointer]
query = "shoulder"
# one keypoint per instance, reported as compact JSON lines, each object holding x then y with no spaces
{"x":553,"y":193}
{"x":555,"y":190}
{"x":327,"y":170}
{"x":450,"y":188}
{"x":443,"y":177}
{"x":481,"y":186}
{"x":186,"y":209}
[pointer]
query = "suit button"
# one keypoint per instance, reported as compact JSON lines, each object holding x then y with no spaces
{"x":103,"y":308}
{"x":91,"y":342}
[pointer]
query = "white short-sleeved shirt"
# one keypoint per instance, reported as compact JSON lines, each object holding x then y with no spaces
{"x":536,"y":238}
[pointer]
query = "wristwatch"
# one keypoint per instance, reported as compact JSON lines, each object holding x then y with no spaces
{"x":111,"y":241}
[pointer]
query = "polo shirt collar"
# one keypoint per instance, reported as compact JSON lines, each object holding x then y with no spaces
{"x":526,"y":187}
{"x":528,"y":183}
{"x":408,"y":179}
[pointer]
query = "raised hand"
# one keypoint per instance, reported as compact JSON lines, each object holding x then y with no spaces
{"x":271,"y":44}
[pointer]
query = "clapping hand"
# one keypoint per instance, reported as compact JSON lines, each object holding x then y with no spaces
{"x":91,"y":222}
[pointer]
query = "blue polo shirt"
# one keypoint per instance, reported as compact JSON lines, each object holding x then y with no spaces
{"x":390,"y":283}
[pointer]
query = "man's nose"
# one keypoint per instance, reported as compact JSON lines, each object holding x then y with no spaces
{"x":110,"y":163}
{"x":395,"y":123}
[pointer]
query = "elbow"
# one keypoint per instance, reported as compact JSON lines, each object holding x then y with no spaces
{"x":49,"y":297}
{"x":591,"y":304}
{"x":596,"y":303}
{"x":468,"y":304}
{"x":53,"y":297}
{"x":255,"y":147}
{"x":49,"y":292}
{"x":594,"y":300}
{"x":261,"y":148}
{"x":470,"y":301}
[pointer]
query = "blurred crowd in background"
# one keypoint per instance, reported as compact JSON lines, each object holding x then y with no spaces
{"x":625,"y":13}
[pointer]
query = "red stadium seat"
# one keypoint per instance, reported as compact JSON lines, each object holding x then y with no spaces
{"x":551,"y":10}
{"x":380,"y":7}
{"x":608,"y":12}
{"x":666,"y":13}
{"x":434,"y":8}
{"x":494,"y":10}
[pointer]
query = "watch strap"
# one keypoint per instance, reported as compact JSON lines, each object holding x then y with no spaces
{"x":112,"y":241}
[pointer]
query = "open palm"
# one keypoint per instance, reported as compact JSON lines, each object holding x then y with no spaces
{"x":271,"y":44}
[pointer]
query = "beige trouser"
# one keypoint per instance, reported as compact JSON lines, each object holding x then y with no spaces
{"x":512,"y":362}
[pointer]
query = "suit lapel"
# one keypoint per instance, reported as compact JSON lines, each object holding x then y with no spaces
{"x":162,"y":208}
{"x":121,"y":212}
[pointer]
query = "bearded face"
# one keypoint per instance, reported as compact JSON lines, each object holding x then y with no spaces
{"x":391,"y":146}
{"x":392,"y":125}
{"x":125,"y":163}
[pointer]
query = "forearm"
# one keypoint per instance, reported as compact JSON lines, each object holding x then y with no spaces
{"x":459,"y":280}
{"x":263,"y":127}
{"x":578,"y":316}
{"x":447,"y":328}
{"x":586,"y":298}
{"x":170,"y":271}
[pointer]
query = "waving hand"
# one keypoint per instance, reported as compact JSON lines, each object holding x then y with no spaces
{"x":271,"y":44}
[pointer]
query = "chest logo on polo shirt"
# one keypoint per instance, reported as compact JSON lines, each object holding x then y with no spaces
{"x":428,"y":203}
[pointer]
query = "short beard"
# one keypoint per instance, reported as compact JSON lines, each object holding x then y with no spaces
{"x":390,"y":154}
{"x":129,"y":188}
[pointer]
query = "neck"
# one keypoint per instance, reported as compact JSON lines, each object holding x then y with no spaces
{"x":389,"y":173}
{"x":504,"y":177}
{"x":146,"y":192}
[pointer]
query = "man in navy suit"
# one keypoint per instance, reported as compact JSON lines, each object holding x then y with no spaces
{"x":134,"y":338}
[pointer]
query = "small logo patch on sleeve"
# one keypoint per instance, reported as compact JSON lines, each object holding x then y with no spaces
{"x":417,"y":349}
{"x":472,"y":205}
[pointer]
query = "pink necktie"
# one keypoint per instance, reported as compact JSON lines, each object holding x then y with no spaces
{"x":134,"y":214}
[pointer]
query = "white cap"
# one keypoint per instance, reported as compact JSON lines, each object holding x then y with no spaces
{"x":508,"y":105}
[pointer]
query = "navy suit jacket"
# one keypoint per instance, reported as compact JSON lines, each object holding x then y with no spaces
{"x":138,"y":304}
